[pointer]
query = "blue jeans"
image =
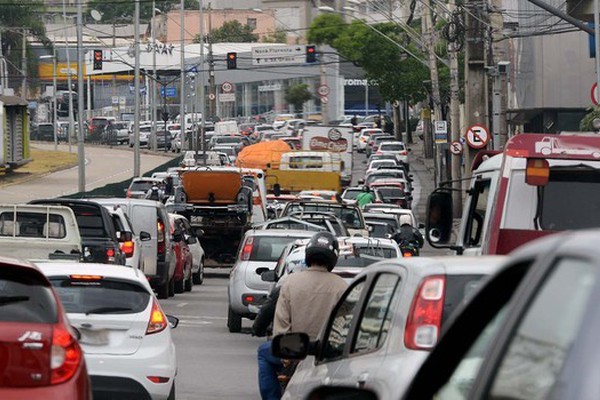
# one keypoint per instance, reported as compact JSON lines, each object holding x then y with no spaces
{"x":268,"y":367}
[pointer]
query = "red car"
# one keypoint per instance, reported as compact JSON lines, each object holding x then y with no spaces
{"x":183,"y":257}
{"x":40,"y":357}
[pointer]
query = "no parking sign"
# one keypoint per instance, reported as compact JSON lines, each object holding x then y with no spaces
{"x":478,"y":136}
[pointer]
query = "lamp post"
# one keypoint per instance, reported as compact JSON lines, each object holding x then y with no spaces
{"x":136,"y":116}
{"x":69,"y":83}
{"x":153,"y":81}
{"x":53,"y":57}
{"x":80,"y":61}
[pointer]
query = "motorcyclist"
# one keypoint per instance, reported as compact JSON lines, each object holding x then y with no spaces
{"x":304,"y":304}
{"x":365,"y":197}
{"x":408,"y":232}
{"x":154,"y":193}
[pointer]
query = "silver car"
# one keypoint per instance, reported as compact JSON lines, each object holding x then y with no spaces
{"x":259,"y":252}
{"x":386,"y":323}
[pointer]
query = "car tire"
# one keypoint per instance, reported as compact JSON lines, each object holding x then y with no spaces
{"x":234,"y":321}
{"x":172,"y":392}
{"x":172,"y":288}
{"x":188,"y":284}
{"x":179,"y":286}
{"x":198,"y":277}
{"x":162,"y":292}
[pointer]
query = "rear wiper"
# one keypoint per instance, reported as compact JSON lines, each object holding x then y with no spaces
{"x":107,"y":310}
{"x":4,"y":300}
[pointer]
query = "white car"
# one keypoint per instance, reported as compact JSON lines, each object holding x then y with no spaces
{"x":195,"y":247}
{"x":363,"y":138}
{"x":124,"y":334}
{"x":396,"y":148}
{"x":132,"y":247}
{"x":378,"y":164}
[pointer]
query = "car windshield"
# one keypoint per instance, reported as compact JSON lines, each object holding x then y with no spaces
{"x":383,"y":175}
{"x":119,"y":125}
{"x":379,"y":230}
{"x":228,"y":139}
{"x":25,"y":297}
{"x":100,"y":296}
{"x":375,"y":251}
{"x":391,"y":147}
{"x":350,"y":216}
{"x":351,"y":194}
{"x":269,"y":248}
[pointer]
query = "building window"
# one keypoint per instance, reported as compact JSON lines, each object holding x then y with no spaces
{"x":251,"y":22}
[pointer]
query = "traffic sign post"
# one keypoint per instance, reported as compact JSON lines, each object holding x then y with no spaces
{"x":211,"y":96}
{"x":441,"y":131}
{"x":324,"y":99}
{"x":478,"y":136}
{"x":226,"y":97}
{"x":227,"y":87}
{"x":323,"y":90}
{"x":456,"y":148}
{"x":594,"y":93}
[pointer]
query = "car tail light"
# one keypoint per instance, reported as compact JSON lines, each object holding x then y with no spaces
{"x":407,"y":254}
{"x":128,"y":193}
{"x":65,"y":355}
{"x":158,"y":321}
{"x":110,"y":254}
{"x":158,"y":379}
{"x":425,"y":317}
{"x":379,"y":153}
{"x":128,"y":248}
{"x":161,"y":236}
{"x":247,"y":249}
{"x":404,"y":153}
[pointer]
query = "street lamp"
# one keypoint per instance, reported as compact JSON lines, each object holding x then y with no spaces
{"x":53,"y":57}
{"x":153,"y":82}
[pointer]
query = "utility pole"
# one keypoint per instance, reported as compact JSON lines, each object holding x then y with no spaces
{"x":456,"y":159}
{"x":211,"y":68}
{"x":153,"y":82}
{"x":475,"y":77}
{"x":200,"y":95}
{"x":24,"y":65}
{"x":323,"y":80}
{"x":81,"y":133}
{"x":54,"y":113}
{"x":430,"y":43}
{"x":136,"y":97}
{"x":71,"y":121}
{"x":182,"y":61}
{"x":500,"y":76}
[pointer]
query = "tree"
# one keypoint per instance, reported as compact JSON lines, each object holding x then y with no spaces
{"x":123,"y":10}
{"x":16,"y":16}
{"x":586,"y":123}
{"x":231,"y":31}
{"x":279,"y":36}
{"x":297,"y":95}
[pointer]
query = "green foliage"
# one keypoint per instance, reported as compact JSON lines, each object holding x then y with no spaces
{"x":326,"y":28}
{"x":123,"y":10}
{"x":586,"y":121}
{"x":297,"y":95}
{"x":232,"y":31}
{"x":279,"y":36}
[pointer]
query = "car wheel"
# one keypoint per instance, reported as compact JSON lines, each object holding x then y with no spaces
{"x":163,"y":291}
{"x":198,"y":277}
{"x":179,"y":286}
{"x":188,"y":284}
{"x":172,"y":288}
{"x":172,"y":392}
{"x":234,"y":321}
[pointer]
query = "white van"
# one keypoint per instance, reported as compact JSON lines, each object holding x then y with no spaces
{"x":190,"y":120}
{"x":151,"y":224}
{"x":226,"y":128}
{"x":311,"y":160}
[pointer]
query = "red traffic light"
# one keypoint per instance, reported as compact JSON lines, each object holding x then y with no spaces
{"x":231,"y":56}
{"x":97,"y":59}
{"x":310,"y":49}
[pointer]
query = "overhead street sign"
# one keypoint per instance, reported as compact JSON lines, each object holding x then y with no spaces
{"x":279,"y":55}
{"x":478,"y":136}
{"x":171,"y":92}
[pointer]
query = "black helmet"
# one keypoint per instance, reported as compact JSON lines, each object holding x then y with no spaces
{"x":322,"y":249}
{"x":366,"y":188}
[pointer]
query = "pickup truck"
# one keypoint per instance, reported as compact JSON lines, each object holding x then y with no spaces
{"x":39,"y":232}
{"x":96,"y":228}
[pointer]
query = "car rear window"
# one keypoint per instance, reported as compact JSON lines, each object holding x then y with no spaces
{"x":351,"y":194}
{"x":87,"y":295}
{"x":25,"y":297}
{"x":391,"y":147}
{"x":28,"y":224}
{"x":391,"y":193}
{"x":393,"y":222}
{"x":89,"y":220}
{"x":142,"y":186}
{"x":458,"y":290}
{"x":269,"y":248}
{"x":376,"y":251}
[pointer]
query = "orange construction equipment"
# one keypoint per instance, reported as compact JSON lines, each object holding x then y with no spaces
{"x":262,"y":155}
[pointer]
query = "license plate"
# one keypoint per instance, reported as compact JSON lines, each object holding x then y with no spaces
{"x":96,"y":337}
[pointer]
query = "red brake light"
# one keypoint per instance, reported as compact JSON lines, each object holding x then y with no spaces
{"x":85,"y":277}
{"x":161,"y":237}
{"x":158,"y":379}
{"x":404,"y":152}
{"x":158,"y":321}
{"x":65,"y":356}
{"x":425,"y":317}
{"x":128,"y":248}
{"x":110,"y":253}
{"x":407,"y":254}
{"x":247,"y":249}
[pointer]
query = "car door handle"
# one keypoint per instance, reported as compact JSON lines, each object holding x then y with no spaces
{"x":362,"y":379}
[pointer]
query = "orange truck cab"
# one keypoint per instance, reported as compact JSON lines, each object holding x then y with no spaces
{"x":539,"y":185}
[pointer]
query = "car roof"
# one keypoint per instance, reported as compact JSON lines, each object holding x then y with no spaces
{"x":392,"y":142}
{"x":368,"y":215}
{"x":51,"y":269}
{"x":279,"y":233}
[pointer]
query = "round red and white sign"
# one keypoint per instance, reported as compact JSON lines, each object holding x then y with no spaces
{"x":594,"y":93}
{"x":212,"y":96}
{"x":456,"y":148}
{"x":478,"y":136}
{"x":323,"y":90}
{"x":324,"y":99}
{"x":227,"y":87}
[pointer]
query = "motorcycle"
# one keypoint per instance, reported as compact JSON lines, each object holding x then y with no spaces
{"x":409,"y":248}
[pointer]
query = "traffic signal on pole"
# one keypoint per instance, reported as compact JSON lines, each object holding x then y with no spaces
{"x":232,"y":60}
{"x":311,"y":54}
{"x":97,"y":60}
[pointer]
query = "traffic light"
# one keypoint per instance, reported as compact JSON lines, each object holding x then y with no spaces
{"x":97,"y":60}
{"x":232,"y":60}
{"x":311,"y":54}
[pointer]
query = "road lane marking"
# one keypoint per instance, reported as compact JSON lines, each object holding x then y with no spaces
{"x":182,"y":304}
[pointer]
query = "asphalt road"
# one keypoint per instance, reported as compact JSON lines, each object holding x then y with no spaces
{"x":103,"y":165}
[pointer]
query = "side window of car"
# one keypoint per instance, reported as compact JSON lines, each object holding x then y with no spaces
{"x":477,"y":211}
{"x":339,"y":326}
{"x":374,"y":322}
{"x":545,"y":333}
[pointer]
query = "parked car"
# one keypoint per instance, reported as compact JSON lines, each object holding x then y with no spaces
{"x":97,"y":230}
{"x":376,"y":164}
{"x":145,"y":132}
{"x":258,"y":252}
{"x":150,"y":222}
{"x":125,"y":336}
{"x":193,"y":242}
{"x":95,"y":127}
{"x":382,"y":328}
{"x":40,"y":355}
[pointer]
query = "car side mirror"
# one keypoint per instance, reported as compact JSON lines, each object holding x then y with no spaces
{"x":268,"y":276}
{"x":191,"y":240}
{"x":421,"y":225}
{"x":277,"y":189}
{"x":145,"y":236}
{"x":341,"y":392}
{"x":173,"y":321}
{"x":439,"y":217}
{"x":124,"y":236}
{"x":293,"y":346}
